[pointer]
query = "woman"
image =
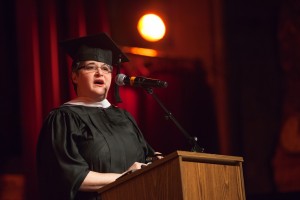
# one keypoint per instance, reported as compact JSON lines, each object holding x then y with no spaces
{"x":87,"y":143}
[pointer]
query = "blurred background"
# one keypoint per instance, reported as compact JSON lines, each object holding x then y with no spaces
{"x":232,"y":68}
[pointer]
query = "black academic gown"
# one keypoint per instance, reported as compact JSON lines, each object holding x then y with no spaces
{"x":77,"y":139}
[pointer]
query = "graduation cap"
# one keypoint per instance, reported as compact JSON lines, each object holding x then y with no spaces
{"x":98,"y":47}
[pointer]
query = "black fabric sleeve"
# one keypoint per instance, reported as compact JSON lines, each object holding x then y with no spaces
{"x":58,"y":160}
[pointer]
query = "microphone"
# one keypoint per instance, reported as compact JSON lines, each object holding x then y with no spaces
{"x":139,"y":81}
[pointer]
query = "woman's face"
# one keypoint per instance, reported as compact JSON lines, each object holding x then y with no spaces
{"x":93,"y":79}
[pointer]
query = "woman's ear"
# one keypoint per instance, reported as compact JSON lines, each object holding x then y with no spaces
{"x":74,"y":77}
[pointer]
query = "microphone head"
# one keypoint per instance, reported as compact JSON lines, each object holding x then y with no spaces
{"x":119,"y":79}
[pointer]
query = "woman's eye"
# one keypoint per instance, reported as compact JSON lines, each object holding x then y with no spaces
{"x":90,"y":67}
{"x":105,"y":68}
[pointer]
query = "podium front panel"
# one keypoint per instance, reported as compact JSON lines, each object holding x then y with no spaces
{"x":160,"y":183}
{"x":210,"y":181}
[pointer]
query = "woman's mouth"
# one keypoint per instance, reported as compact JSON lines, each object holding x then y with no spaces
{"x":99,"y":82}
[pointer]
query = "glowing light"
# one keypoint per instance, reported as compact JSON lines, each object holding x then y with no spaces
{"x":141,"y":51}
{"x":151,"y":27}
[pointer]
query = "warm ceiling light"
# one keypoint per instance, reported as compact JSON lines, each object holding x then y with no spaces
{"x":141,"y":51}
{"x":151,"y":27}
{"x":144,"y":51}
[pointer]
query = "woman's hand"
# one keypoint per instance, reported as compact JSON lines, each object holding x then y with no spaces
{"x":94,"y":180}
{"x":136,"y":166}
{"x":158,"y":155}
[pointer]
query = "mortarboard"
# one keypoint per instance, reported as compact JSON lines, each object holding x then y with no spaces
{"x":98,"y":47}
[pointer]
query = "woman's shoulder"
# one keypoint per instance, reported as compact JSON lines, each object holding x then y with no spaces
{"x":69,"y":110}
{"x":69,"y":114}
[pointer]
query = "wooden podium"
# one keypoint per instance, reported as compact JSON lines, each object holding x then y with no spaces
{"x":182,"y":176}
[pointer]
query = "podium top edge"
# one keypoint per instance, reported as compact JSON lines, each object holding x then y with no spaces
{"x":207,"y":156}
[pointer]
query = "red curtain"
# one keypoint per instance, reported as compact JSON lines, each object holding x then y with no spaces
{"x":44,"y":81}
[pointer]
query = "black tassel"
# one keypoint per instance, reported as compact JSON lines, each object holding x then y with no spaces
{"x":116,"y":89}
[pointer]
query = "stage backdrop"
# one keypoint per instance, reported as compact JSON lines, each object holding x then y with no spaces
{"x":41,"y":70}
{"x":232,"y":87}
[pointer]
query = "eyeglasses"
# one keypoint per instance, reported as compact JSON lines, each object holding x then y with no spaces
{"x":105,"y":68}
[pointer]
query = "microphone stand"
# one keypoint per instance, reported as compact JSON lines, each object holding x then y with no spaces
{"x":192,"y":140}
{"x":116,"y":87}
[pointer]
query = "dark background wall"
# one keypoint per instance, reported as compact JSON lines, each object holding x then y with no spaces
{"x":255,"y":82}
{"x":10,"y":143}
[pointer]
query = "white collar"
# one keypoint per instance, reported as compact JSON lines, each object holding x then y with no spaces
{"x":83,"y":101}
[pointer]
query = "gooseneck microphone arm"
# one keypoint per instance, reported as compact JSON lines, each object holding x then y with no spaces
{"x":192,"y":140}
